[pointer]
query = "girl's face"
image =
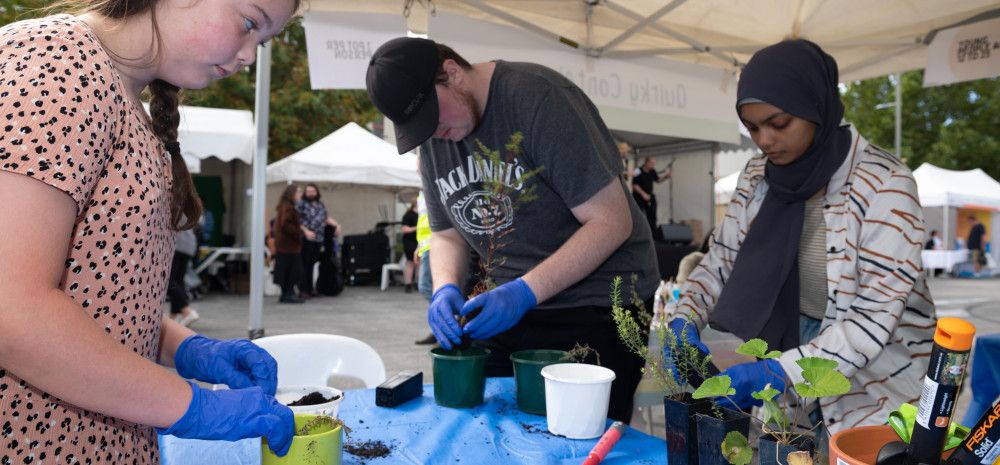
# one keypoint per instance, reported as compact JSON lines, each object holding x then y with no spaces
{"x":298,"y":195}
{"x":205,"y":40}
{"x":782,"y":137}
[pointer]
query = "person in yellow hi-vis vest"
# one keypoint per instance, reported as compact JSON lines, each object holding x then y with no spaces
{"x":422,"y":257}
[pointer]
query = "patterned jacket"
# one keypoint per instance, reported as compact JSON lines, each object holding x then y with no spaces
{"x":880,"y":317}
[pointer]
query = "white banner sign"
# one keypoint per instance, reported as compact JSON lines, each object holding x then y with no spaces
{"x":964,"y":53}
{"x":340,"y":45}
{"x":678,"y":96}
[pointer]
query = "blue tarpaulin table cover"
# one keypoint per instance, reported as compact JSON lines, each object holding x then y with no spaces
{"x":421,"y":432}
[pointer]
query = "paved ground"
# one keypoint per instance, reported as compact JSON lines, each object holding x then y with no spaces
{"x":390,"y":321}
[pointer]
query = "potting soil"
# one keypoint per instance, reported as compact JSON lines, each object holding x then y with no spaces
{"x":313,"y":398}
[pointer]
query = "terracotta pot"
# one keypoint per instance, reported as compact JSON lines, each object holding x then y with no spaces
{"x":860,"y":446}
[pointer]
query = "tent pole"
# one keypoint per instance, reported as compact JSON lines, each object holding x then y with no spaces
{"x":261,"y":114}
{"x":899,"y":115}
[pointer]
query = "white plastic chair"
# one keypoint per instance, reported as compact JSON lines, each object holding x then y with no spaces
{"x":389,"y":267}
{"x":310,"y":359}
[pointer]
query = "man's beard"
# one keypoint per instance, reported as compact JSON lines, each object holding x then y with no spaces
{"x":473,"y":106}
{"x":310,"y":199}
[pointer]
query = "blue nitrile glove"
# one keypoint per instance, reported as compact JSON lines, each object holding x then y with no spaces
{"x":502,"y":308}
{"x":237,"y":363}
{"x":748,"y":378}
{"x":445,"y":304}
{"x":684,"y":331}
{"x":234,"y":414}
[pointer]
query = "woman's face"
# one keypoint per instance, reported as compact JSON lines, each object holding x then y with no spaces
{"x":298,"y":195}
{"x":206,"y":40}
{"x":782,"y":137}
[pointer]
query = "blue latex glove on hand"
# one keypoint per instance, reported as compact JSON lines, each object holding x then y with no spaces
{"x":237,"y":363}
{"x":684,"y":331}
{"x":445,"y":304}
{"x":502,"y":308}
{"x":748,"y":378}
{"x":235,"y":414}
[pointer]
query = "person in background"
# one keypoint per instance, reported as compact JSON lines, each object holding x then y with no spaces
{"x":312,"y":214}
{"x":818,"y":258}
{"x":288,"y":233}
{"x":92,"y":192}
{"x":975,"y":243}
{"x":935,"y":243}
{"x":642,"y":189}
{"x":185,"y":250}
{"x":564,"y":246}
{"x":409,"y":230}
{"x":625,"y":152}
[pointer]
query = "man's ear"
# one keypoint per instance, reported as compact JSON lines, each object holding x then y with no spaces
{"x":454,"y":71}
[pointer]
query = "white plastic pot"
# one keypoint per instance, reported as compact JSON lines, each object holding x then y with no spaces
{"x":576,"y":399}
{"x":288,"y":394}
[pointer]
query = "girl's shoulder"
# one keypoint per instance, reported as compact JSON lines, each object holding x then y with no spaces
{"x":36,"y":33}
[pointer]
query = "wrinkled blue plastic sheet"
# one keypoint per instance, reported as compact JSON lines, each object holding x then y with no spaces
{"x":421,"y":432}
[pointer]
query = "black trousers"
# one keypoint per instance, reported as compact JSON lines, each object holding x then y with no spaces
{"x":287,"y":272}
{"x":649,"y":209}
{"x":561,"y":329}
{"x":310,"y":255}
{"x":176,"y":289}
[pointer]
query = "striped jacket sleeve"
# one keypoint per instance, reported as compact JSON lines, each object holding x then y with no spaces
{"x":887,"y":257}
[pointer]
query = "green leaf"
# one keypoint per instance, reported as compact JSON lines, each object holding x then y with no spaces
{"x":822,"y":382}
{"x":775,"y":415}
{"x":754,"y":348}
{"x":716,"y":386}
{"x":767,"y":393}
{"x":736,"y":448}
{"x":816,"y":362}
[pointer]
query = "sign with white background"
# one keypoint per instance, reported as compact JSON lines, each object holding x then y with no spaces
{"x":340,"y":45}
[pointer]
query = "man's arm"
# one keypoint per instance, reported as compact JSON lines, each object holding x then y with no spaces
{"x":451,"y":258}
{"x":606,"y":224}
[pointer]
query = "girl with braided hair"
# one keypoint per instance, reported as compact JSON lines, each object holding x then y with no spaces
{"x":92,"y":190}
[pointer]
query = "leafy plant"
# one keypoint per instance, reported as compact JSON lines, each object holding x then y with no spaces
{"x":633,"y":331}
{"x":501,"y":192}
{"x":579,"y":353}
{"x":493,"y":211}
{"x":820,"y":379}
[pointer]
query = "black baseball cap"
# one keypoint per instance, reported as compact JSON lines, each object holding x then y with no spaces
{"x":400,"y":83}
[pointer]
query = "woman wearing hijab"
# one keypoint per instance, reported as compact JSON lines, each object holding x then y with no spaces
{"x":819,"y":252}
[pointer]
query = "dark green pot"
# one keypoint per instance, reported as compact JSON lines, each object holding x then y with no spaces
{"x":528,"y":366}
{"x":459,"y":376}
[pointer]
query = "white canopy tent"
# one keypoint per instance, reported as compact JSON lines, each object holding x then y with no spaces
{"x":359,"y":176}
{"x":950,"y":190}
{"x":215,"y":132}
{"x":868,"y":39}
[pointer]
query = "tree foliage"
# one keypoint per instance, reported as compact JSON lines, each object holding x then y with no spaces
{"x":955,"y":126}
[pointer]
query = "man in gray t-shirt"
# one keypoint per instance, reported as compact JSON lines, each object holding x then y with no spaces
{"x":553,"y":201}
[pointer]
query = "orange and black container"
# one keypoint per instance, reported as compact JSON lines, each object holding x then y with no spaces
{"x":952,"y":342}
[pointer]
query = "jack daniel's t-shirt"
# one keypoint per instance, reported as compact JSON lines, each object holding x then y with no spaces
{"x":566,"y":156}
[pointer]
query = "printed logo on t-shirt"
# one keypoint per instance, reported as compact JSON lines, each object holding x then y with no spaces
{"x":475,"y":208}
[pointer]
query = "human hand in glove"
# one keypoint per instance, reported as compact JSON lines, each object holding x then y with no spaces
{"x":502,"y":308}
{"x":234,"y":414}
{"x":445,"y":304}
{"x":748,"y":378}
{"x":237,"y":363}
{"x":684,"y":332}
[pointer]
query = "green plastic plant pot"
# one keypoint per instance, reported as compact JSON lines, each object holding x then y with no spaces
{"x":528,"y":366}
{"x":459,"y":376}
{"x":325,"y":446}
